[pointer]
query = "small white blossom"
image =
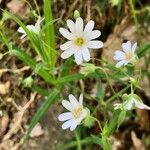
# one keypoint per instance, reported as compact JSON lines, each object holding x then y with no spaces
{"x":33,"y":28}
{"x":76,"y":115}
{"x":131,"y":104}
{"x":127,"y":55}
{"x":80,"y":40}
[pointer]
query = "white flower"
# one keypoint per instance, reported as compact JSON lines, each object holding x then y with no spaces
{"x":33,"y":28}
{"x":131,"y":104}
{"x":80,"y":40}
{"x":76,"y":115}
{"x":127,"y":55}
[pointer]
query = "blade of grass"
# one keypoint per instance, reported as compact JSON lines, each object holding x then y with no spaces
{"x":29,"y":61}
{"x":49,"y":33}
{"x":44,"y":107}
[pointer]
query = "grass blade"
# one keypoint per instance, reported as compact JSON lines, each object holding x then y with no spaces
{"x":29,"y":61}
{"x":44,"y":107}
{"x":49,"y":33}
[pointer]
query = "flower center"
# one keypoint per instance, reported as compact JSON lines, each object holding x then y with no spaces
{"x":77,"y":112}
{"x":129,"y":56}
{"x":79,"y":41}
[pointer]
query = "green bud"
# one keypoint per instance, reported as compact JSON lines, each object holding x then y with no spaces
{"x":76,"y":14}
{"x":133,"y":81}
{"x":87,"y":68}
{"x":28,"y":81}
{"x":89,"y":120}
{"x":134,"y":60}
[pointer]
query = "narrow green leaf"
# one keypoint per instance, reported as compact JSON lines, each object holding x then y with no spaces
{"x":40,"y":90}
{"x":49,"y":33}
{"x":121,"y":118}
{"x":96,"y":140}
{"x":100,"y":91}
{"x":69,"y":78}
{"x":143,"y":50}
{"x":29,"y":61}
{"x":44,"y":107}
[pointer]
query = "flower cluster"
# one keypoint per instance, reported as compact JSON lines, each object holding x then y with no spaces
{"x":33,"y":28}
{"x":80,"y":41}
{"x":127,"y":55}
{"x":77,"y":112}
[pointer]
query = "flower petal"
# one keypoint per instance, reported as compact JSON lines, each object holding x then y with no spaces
{"x":134,"y":47}
{"x":79,"y":25}
{"x":127,"y":46}
{"x":93,"y":34}
{"x":20,"y":29}
{"x":73,"y":101}
{"x":89,"y":26}
{"x":86,"y":54}
{"x":81,"y":99}
{"x":73,"y":125}
{"x":120,"y":63}
{"x":66,"y":45}
{"x":71,"y":25}
{"x":65,"y":116}
{"x":24,"y":35}
{"x":119,"y":55}
{"x":67,"y":53}
{"x":65,"y":33}
{"x":67,"y":124}
{"x":67,"y":105}
{"x":140,"y":105}
{"x":78,"y":57}
{"x":95,"y":44}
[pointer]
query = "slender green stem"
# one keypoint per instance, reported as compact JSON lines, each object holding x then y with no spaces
{"x":108,"y":81}
{"x":78,"y":141}
{"x":120,"y":92}
{"x":99,"y":124}
{"x":35,"y":2}
{"x":132,"y":91}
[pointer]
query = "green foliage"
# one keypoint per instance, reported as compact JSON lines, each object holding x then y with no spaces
{"x":43,"y":108}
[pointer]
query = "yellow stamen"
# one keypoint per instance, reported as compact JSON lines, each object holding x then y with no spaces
{"x":79,"y":41}
{"x":128,"y":56}
{"x":77,"y":112}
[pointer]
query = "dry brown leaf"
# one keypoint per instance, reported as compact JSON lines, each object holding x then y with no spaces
{"x":4,"y":120}
{"x":137,"y":143}
{"x":17,"y":7}
{"x":37,"y":131}
{"x":4,"y":88}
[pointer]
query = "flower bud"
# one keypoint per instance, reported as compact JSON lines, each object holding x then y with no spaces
{"x":28,"y":81}
{"x":89,"y":120}
{"x":87,"y":68}
{"x":76,"y":14}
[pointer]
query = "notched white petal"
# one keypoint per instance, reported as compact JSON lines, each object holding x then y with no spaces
{"x":78,"y":57}
{"x":71,"y":25}
{"x":67,"y":105}
{"x":119,"y":55}
{"x":67,"y":124}
{"x":127,"y":46}
{"x":65,"y":116}
{"x":67,"y":53}
{"x":81,"y":99}
{"x":66,"y":45}
{"x":134,"y":47}
{"x":73,"y":101}
{"x":121,"y":63}
{"x":95,"y":44}
{"x":93,"y":34}
{"x":79,"y":25}
{"x":86,"y":54}
{"x":65,"y":33}
{"x":89,"y":26}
